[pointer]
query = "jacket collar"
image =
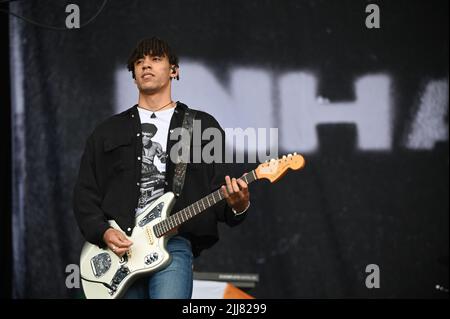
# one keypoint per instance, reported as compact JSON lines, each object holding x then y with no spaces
{"x":179,"y":108}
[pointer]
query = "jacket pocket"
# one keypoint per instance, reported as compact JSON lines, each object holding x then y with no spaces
{"x":113,"y":143}
{"x":119,"y":153}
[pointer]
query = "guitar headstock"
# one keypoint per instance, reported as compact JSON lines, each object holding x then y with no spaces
{"x":274,"y":169}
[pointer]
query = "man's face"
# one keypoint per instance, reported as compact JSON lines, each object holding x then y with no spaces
{"x":146,"y":137}
{"x":152,"y":73}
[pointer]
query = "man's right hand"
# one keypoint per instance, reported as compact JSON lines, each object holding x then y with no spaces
{"x":117,"y":241}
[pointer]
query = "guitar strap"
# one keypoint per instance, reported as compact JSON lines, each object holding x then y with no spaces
{"x":180,"y":168}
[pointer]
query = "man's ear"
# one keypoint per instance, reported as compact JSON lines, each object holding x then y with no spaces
{"x":174,"y":72}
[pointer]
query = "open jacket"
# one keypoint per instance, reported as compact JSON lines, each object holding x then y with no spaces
{"x":108,"y":184}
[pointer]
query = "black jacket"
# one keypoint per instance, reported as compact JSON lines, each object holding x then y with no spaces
{"x":108,"y":182}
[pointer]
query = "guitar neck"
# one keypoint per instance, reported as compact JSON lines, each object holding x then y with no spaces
{"x":184,"y":215}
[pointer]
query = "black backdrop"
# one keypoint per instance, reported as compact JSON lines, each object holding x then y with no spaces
{"x":312,"y":234}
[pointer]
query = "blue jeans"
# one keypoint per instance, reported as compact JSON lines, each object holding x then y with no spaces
{"x":173,"y":282}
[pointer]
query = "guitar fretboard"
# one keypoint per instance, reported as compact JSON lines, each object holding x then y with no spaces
{"x":194,"y":209}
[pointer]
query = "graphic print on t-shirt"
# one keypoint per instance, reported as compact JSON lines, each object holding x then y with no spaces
{"x":152,"y":178}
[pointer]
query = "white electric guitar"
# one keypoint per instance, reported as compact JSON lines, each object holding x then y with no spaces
{"x":107,"y":276}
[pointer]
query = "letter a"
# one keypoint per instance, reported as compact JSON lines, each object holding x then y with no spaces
{"x":373,"y":280}
{"x":73,"y":19}
{"x":373,"y":19}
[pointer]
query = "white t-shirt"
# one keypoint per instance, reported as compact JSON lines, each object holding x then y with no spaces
{"x":154,"y":154}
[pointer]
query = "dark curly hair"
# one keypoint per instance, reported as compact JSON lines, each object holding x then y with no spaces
{"x":152,"y":46}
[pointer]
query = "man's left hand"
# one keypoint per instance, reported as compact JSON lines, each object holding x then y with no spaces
{"x":236,"y":193}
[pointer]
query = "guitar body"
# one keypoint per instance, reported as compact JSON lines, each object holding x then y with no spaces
{"x":106,"y":276}
{"x":147,"y":254}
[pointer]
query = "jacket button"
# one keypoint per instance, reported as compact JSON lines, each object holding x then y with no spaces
{"x":166,"y":183}
{"x":139,"y":158}
{"x":129,"y":229}
{"x":132,"y":115}
{"x":137,"y":184}
{"x":138,"y":134}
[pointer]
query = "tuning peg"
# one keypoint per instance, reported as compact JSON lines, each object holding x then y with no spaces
{"x":272,"y":160}
{"x":295,"y":153}
{"x":284,"y":156}
{"x":289,"y":155}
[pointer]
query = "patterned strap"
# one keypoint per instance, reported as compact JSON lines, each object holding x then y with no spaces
{"x":180,"y":168}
